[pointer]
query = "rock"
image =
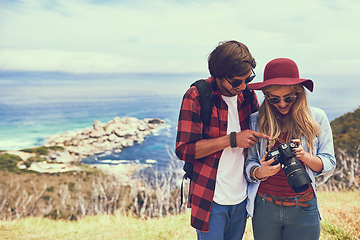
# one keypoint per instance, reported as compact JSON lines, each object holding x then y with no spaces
{"x":23,"y":155}
{"x":115,"y":134}
{"x":112,"y":138}
{"x":117,"y":119}
{"x":140,"y":140}
{"x":86,"y":131}
{"x":155,"y":121}
{"x":98,"y":125}
{"x":64,"y":157}
{"x":142,"y":127}
{"x":112,"y":127}
{"x":21,"y":165}
{"x":97,"y":133}
{"x":52,"y":167}
{"x":123,"y":132}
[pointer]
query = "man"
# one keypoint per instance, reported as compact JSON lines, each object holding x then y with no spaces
{"x":217,"y":193}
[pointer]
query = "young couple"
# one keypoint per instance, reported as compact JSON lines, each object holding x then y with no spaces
{"x":232,"y":178}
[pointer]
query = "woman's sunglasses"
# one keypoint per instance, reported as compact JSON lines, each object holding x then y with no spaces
{"x":276,"y":100}
{"x":237,"y":83}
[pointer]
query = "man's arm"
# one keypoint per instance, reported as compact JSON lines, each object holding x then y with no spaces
{"x":244,"y":139}
{"x":189,"y":142}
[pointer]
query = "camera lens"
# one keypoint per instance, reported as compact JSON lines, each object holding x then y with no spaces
{"x":296,"y":175}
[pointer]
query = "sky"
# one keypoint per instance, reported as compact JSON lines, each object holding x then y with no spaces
{"x":176,"y":36}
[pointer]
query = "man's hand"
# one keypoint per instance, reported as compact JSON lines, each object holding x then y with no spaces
{"x":248,"y":138}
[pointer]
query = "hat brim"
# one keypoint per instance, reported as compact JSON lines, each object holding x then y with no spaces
{"x":308,"y":83}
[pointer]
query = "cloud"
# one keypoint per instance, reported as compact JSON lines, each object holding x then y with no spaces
{"x":175,"y":36}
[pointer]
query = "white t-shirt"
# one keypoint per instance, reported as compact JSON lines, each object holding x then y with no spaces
{"x":231,"y":185}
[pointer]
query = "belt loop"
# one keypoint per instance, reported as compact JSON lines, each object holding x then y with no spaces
{"x":264,"y":197}
{"x":296,"y":201}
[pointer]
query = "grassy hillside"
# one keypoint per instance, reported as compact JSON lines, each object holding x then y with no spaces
{"x":346,"y":134}
{"x":340,"y":220}
{"x":346,"y":131}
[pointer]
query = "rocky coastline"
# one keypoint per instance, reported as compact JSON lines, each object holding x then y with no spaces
{"x":114,"y":135}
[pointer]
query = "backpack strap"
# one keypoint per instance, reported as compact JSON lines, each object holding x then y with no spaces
{"x":206,"y":98}
{"x":206,"y":104}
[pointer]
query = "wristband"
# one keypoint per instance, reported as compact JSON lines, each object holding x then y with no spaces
{"x":253,"y":175}
{"x":233,"y":143}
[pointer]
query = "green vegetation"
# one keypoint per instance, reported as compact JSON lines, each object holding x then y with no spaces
{"x":339,"y":212}
{"x":346,"y":135}
{"x":334,"y":231}
{"x":9,"y":161}
{"x":346,"y":132}
{"x":43,"y":150}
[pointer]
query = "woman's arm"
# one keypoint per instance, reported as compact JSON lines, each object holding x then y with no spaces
{"x":313,"y":162}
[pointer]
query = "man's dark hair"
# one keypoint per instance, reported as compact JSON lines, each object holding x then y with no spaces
{"x":230,"y":59}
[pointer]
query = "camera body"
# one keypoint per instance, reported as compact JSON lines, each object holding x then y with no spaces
{"x":296,"y":175}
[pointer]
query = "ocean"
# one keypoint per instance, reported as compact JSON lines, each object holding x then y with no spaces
{"x":35,"y":105}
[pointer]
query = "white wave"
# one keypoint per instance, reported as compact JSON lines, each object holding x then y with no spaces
{"x":151,"y":161}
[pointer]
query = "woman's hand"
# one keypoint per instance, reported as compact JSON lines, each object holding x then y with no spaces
{"x":314,"y":162}
{"x":266,"y":169}
{"x":299,"y":151}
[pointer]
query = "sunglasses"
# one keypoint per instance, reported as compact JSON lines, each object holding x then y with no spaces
{"x":237,"y":83}
{"x":276,"y":100}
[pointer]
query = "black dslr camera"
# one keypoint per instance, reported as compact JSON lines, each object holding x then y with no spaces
{"x":296,"y":175}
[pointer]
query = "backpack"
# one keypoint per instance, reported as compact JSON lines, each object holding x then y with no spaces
{"x":206,"y":103}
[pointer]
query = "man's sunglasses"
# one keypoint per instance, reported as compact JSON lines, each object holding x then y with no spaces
{"x":237,"y":83}
{"x":276,"y":100}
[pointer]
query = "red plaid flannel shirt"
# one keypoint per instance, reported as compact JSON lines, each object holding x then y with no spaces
{"x":190,"y":130}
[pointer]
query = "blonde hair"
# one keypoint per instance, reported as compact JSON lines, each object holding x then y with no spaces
{"x":300,"y":122}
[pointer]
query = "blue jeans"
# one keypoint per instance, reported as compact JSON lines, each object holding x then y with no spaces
{"x":226,"y":222}
{"x":275,"y":222}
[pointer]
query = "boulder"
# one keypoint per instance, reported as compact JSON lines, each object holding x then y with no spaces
{"x":98,"y":125}
{"x":97,"y":133}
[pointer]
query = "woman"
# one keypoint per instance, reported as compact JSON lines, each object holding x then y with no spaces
{"x":278,"y":210}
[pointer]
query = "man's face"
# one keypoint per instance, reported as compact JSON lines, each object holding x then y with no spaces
{"x":231,"y":87}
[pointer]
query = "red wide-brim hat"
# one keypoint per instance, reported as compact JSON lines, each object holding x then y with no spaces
{"x":282,"y":71}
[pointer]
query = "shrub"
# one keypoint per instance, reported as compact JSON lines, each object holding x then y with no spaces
{"x":9,"y":161}
{"x":43,"y":150}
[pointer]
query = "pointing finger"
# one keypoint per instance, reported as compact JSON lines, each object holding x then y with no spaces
{"x":261,"y":135}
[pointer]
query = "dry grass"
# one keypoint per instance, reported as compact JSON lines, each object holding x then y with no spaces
{"x":340,"y":220}
{"x":341,"y":215}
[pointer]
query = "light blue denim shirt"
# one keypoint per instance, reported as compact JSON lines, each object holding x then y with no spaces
{"x":323,"y":148}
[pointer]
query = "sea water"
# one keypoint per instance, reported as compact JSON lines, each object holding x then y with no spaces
{"x":34,"y":106}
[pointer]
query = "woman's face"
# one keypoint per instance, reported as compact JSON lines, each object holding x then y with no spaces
{"x":283,"y":99}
